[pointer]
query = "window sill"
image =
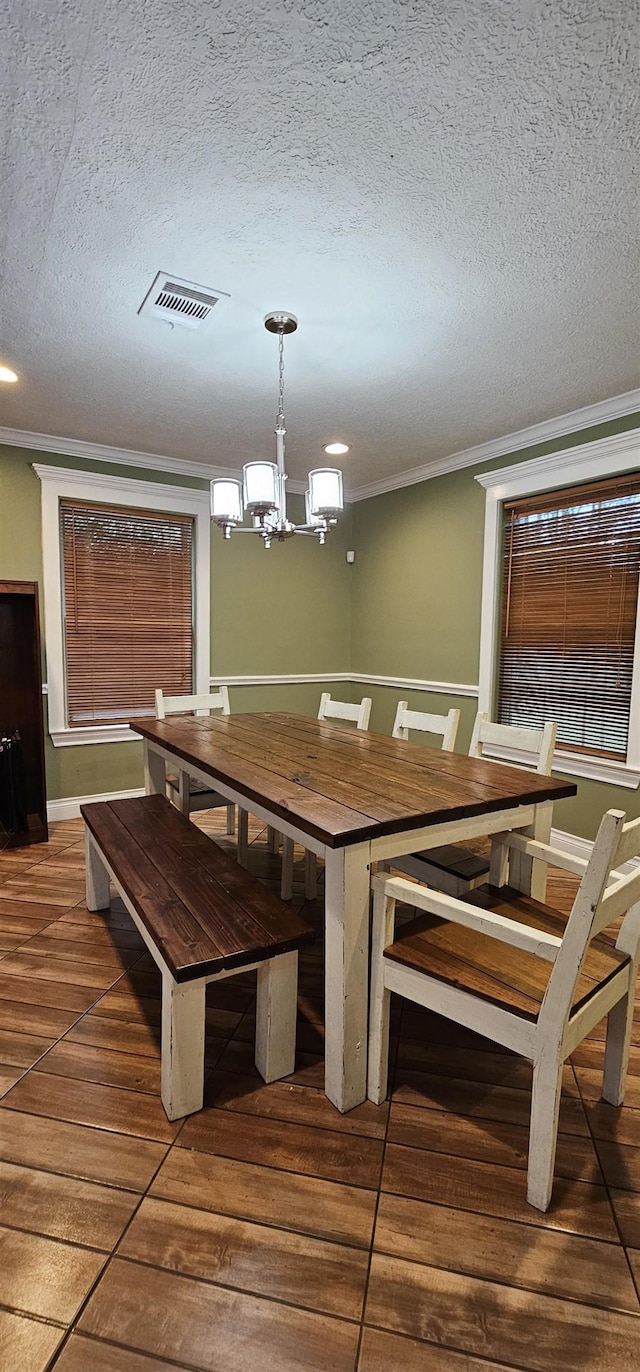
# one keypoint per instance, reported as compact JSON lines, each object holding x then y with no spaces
{"x":579,"y":765}
{"x":94,"y":733}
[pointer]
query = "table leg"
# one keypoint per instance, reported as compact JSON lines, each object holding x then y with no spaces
{"x":347,"y":876}
{"x":154,"y":771}
{"x":530,"y":874}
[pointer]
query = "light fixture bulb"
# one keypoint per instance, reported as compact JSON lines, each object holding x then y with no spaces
{"x":6,"y":374}
{"x":336,"y":449}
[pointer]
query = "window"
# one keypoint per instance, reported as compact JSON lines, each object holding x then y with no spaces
{"x":560,"y":632}
{"x":126,"y":568}
{"x":128,"y":623}
{"x":571,"y":561}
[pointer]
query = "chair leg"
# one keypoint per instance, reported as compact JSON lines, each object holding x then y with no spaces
{"x":182,"y":1067}
{"x":286,"y":883}
{"x":276,"y":1011}
{"x":96,"y":877}
{"x":243,"y":837}
{"x":543,"y":1131}
{"x":231,"y":819}
{"x":310,"y":875}
{"x":616,"y":1055}
{"x":380,"y":999}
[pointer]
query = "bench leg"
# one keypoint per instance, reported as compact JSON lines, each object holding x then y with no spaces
{"x":231,"y":819}
{"x":273,"y":839}
{"x":183,"y":1011}
{"x":96,"y":878}
{"x":276,"y":1017}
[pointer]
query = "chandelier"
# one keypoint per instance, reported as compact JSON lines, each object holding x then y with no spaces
{"x":262,"y":492}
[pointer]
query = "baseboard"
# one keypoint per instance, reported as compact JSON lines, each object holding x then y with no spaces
{"x":70,"y":808}
{"x":581,"y":847}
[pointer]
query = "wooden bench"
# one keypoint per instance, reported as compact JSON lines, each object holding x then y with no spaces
{"x":202,"y":918}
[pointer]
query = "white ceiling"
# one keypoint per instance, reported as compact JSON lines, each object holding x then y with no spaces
{"x":442,"y":192}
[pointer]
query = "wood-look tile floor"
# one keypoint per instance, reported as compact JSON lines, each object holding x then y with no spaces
{"x":268,"y":1232}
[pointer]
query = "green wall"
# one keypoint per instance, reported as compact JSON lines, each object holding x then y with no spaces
{"x":416,"y":602}
{"x":409,"y":607}
{"x":284,"y":611}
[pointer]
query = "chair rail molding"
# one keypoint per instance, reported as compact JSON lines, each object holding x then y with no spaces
{"x":450,"y":688}
{"x":568,"y":467}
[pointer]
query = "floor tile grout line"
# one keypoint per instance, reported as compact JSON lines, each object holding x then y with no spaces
{"x":218,"y":1285}
{"x":379,"y":1193}
{"x":59,"y":1039}
{"x":56,"y":1238}
{"x":101,"y":1341}
{"x":503,"y":1284}
{"x":33,"y":1315}
{"x":492,"y":1362}
{"x":105,"y":1267}
{"x":623,"y":1245}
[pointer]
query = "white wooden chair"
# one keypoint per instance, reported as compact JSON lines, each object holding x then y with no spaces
{"x":443,"y":726}
{"x":357,"y":714}
{"x":454,"y":868}
{"x":519,"y":972}
{"x":184,"y":791}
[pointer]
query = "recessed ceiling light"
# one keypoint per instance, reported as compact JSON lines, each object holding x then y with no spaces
{"x":6,"y":374}
{"x":335,"y":449}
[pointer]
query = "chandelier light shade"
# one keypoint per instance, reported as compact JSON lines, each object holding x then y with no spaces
{"x":262,"y":492}
{"x":260,"y":487}
{"x":312,"y":519}
{"x":226,"y":502}
{"x":325,"y":492}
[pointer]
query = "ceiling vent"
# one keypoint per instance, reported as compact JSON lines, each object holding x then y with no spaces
{"x":181,"y":302}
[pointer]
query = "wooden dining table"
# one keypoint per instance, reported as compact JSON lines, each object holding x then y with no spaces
{"x":353,"y":798}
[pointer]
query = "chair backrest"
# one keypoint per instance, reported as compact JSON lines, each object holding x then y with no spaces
{"x":342,"y":709}
{"x":537,"y":744}
{"x":198,"y":705}
{"x":444,"y":725}
{"x":604,"y":895}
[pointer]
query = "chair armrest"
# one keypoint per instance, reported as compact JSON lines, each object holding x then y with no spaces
{"x":496,"y":926}
{"x":533,"y":848}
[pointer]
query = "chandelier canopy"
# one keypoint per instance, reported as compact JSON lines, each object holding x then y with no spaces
{"x":262,"y":492}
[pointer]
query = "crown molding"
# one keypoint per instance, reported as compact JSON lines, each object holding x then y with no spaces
{"x":122,"y":457}
{"x":618,"y":452}
{"x":603,"y":410}
{"x":614,"y":408}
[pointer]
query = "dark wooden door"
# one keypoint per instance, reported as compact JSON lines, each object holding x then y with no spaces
{"x":23,"y":802}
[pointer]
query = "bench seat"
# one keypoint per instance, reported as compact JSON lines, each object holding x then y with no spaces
{"x":202,"y":918}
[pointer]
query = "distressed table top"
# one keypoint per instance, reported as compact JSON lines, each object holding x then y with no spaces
{"x":340,"y":785}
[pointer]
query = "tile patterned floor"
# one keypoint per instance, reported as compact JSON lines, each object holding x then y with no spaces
{"x":268,"y":1232}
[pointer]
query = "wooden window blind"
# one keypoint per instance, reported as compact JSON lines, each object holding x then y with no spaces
{"x":128,"y":619}
{"x":569,"y":612}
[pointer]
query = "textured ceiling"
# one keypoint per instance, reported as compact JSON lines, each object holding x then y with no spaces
{"x":442,"y":192}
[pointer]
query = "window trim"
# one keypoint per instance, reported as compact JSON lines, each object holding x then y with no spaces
{"x":62,"y":482}
{"x":570,"y":467}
